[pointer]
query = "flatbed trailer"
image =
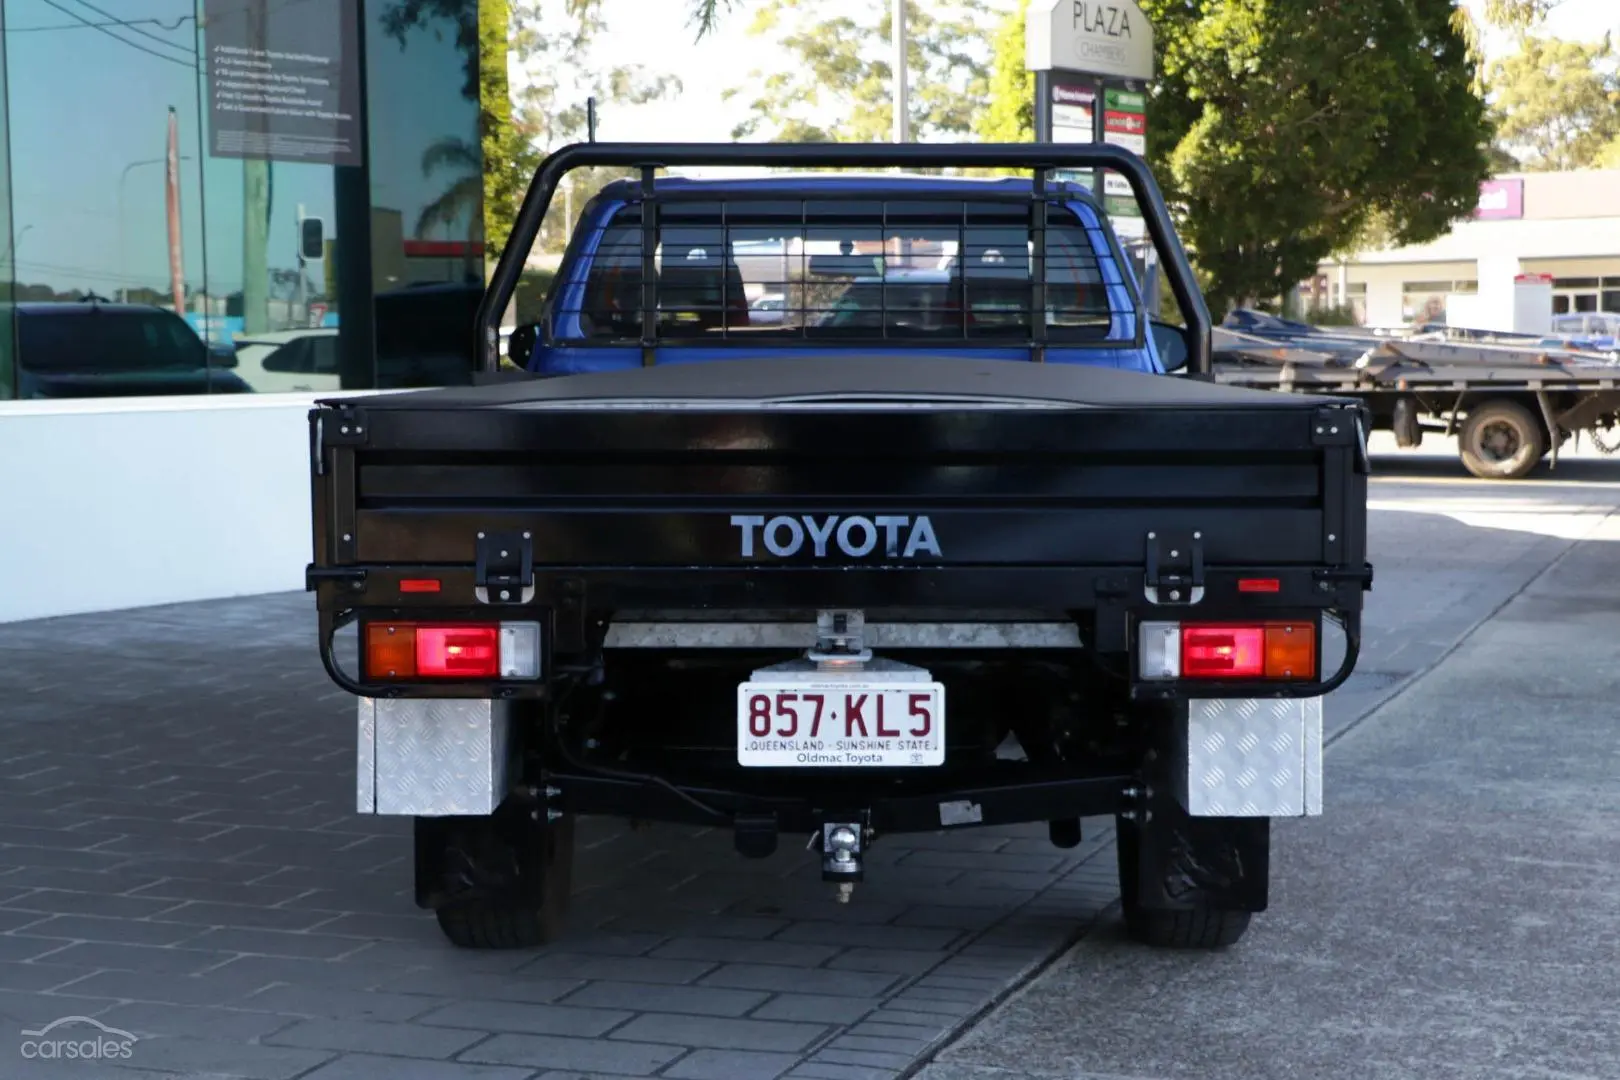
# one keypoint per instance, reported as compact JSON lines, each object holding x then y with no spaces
{"x":1509,"y":406}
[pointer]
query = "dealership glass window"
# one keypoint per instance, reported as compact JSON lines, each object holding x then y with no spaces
{"x":427,"y":212}
{"x":89,"y":217}
{"x":135,"y":209}
{"x":148,"y":203}
{"x":8,"y":368}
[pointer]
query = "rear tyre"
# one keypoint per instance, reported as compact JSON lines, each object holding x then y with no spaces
{"x":1199,"y":927}
{"x":1501,"y":440}
{"x":513,"y":881}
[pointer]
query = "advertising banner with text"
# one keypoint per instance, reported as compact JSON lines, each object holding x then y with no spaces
{"x":284,"y":80}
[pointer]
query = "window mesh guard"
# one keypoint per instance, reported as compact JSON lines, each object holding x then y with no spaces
{"x":693,"y":268}
{"x":852,"y":270}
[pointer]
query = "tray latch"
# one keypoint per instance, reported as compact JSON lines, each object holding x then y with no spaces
{"x":503,"y":571}
{"x":1175,"y":568}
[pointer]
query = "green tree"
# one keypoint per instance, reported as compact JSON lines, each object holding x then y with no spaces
{"x":837,"y":85}
{"x":1558,"y":100}
{"x":1281,"y":138}
{"x":1009,"y":116}
{"x":509,"y":154}
{"x":1518,"y":14}
{"x":706,"y":13}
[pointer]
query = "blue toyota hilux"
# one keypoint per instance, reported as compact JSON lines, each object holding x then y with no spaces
{"x":835,"y":507}
{"x":804,"y":264}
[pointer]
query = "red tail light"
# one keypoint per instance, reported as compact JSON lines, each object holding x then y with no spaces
{"x":464,"y":652}
{"x":1223,"y":652}
{"x":451,"y":651}
{"x":1258,"y":650}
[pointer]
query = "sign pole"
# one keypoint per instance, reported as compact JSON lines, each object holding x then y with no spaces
{"x":902,"y":94}
{"x":1093,"y":61}
{"x":1043,"y":106}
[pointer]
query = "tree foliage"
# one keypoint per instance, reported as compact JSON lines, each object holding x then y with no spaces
{"x":554,"y":45}
{"x":1559,"y":101}
{"x":1518,"y":14}
{"x":837,"y":86}
{"x":1009,"y":116}
{"x":1283,"y":133}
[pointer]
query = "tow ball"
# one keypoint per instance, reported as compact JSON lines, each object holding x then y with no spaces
{"x":842,"y":845}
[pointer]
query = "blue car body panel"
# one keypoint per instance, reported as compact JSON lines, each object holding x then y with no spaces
{"x":561,"y":358}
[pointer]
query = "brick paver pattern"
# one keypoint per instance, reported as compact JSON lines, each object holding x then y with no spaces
{"x":180,"y":859}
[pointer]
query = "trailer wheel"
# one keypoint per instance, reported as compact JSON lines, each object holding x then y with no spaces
{"x":1501,"y":440}
{"x":1202,"y":927}
{"x":520,"y":886}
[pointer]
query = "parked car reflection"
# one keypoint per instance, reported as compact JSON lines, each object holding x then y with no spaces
{"x":95,"y":349}
{"x":286,"y":361}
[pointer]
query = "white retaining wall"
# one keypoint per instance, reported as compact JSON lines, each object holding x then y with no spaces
{"x":119,"y":503}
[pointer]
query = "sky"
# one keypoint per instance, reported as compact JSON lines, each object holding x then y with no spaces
{"x":654,"y":33}
{"x":1579,"y":20}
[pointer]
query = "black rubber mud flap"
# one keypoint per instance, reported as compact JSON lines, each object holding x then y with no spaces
{"x":495,"y":882}
{"x":1190,"y":863}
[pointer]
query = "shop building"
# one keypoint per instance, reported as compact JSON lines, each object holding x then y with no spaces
{"x":1560,"y":227}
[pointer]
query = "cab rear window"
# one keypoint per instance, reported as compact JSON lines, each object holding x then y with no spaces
{"x":846,"y":269}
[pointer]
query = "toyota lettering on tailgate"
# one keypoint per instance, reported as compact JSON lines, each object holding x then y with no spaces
{"x":856,"y":537}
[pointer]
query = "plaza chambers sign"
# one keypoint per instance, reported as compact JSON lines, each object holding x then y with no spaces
{"x":1111,"y":38}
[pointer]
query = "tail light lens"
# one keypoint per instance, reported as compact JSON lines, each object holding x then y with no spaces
{"x":449,"y":652}
{"x":410,"y":650}
{"x":1223,"y":652}
{"x":1231,"y":651}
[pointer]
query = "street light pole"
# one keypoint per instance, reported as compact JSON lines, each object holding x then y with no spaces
{"x":11,"y":250}
{"x":902,"y":104}
{"x":123,"y":269}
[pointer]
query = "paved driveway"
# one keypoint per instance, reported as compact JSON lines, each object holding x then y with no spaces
{"x":180,"y":860}
{"x":1451,"y":918}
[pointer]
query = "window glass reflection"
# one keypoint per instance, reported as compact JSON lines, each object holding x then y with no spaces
{"x":8,"y":367}
{"x":153,"y":189}
{"x":427,"y":188}
{"x":106,"y":240}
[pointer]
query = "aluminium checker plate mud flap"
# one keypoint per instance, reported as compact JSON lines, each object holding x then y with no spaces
{"x":433,"y":757}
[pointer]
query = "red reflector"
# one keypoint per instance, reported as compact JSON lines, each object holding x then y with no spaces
{"x":1223,"y":652}
{"x":1259,"y":584}
{"x":419,"y":585}
{"x":458,"y":651}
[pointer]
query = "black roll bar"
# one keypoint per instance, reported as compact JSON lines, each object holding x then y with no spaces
{"x":1038,"y":157}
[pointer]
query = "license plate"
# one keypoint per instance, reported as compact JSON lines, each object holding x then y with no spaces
{"x":883,"y":724}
